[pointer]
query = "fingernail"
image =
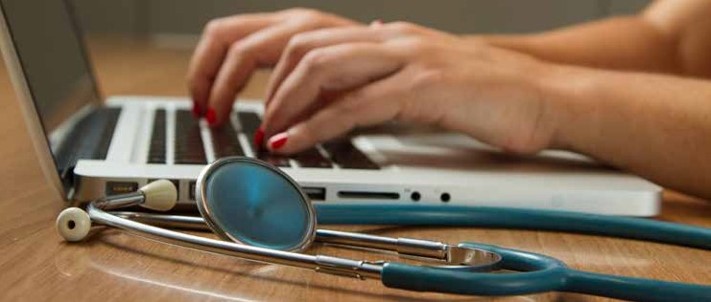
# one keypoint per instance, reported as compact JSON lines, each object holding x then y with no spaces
{"x":376,"y":23}
{"x":211,"y":117}
{"x":197,"y":111}
{"x":259,"y":137}
{"x":278,"y":141}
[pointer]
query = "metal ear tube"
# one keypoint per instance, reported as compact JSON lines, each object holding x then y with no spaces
{"x":443,"y":254}
{"x":74,"y":224}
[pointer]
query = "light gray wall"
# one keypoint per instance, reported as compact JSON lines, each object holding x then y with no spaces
{"x":503,"y":16}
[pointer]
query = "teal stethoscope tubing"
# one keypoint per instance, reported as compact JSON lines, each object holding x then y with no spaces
{"x":511,"y":218}
{"x":538,"y":273}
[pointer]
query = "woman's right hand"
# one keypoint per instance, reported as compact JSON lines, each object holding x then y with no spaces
{"x":232,"y":48}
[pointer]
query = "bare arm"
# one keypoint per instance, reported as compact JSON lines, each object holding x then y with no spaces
{"x":653,"y":125}
{"x":670,"y":36}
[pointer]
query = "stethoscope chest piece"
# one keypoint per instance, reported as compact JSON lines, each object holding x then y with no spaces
{"x":250,"y":202}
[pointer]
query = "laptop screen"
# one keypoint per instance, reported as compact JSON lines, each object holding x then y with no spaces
{"x":52,"y":57}
{"x":51,"y":54}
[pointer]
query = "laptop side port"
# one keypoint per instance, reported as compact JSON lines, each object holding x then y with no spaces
{"x":368,"y":195}
{"x":315,"y":194}
{"x":191,"y":190}
{"x":120,"y":187}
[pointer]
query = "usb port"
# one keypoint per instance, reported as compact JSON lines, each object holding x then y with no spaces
{"x":315,"y":194}
{"x":120,"y":187}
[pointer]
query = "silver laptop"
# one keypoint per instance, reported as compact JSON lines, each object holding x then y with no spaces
{"x":90,"y":147}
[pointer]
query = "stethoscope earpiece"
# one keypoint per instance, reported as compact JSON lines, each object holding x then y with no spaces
{"x":73,"y":224}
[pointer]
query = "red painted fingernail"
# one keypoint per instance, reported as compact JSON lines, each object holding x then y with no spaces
{"x":259,"y":137}
{"x":211,"y":116}
{"x":278,"y":141}
{"x":197,"y":111}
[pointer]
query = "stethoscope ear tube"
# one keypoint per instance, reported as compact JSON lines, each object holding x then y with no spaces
{"x":510,"y":218}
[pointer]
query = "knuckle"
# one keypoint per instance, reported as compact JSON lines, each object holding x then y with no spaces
{"x":427,"y":79}
{"x":404,"y":27}
{"x":417,"y":45}
{"x":308,"y":131}
{"x":239,"y":49}
{"x":315,"y":60}
{"x":302,"y":12}
{"x":214,"y":27}
{"x":299,"y":45}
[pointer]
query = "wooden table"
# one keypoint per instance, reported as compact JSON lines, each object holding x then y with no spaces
{"x":36,"y":265}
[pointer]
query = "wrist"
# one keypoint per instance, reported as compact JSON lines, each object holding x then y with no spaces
{"x":566,"y":93}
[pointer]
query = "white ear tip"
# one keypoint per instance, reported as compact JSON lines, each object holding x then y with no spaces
{"x":161,"y":195}
{"x":73,"y":224}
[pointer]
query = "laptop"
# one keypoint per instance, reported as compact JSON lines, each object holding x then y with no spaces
{"x":90,"y":147}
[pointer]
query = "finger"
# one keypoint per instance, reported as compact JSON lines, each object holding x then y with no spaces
{"x":212,"y":48}
{"x":243,"y":57}
{"x":335,"y":68}
{"x":370,"y":105}
{"x":301,"y":44}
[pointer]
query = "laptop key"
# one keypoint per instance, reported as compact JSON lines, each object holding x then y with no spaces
{"x":250,"y":122}
{"x":312,"y":159}
{"x":110,"y":116}
{"x":274,"y":159}
{"x":156,"y":153}
{"x":308,"y":159}
{"x":90,"y":138}
{"x":188,"y":142}
{"x":346,"y":155}
{"x":226,"y":142}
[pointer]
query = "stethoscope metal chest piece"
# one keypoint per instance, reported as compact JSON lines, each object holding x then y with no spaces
{"x":247,"y":201}
{"x":262,"y":215}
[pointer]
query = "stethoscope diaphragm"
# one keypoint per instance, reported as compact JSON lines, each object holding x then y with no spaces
{"x":250,"y":202}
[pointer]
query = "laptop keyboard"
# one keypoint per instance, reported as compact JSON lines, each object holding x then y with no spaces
{"x":225,"y":141}
{"x":188,"y":140}
{"x":156,"y":154}
{"x":89,"y":139}
{"x":189,"y":145}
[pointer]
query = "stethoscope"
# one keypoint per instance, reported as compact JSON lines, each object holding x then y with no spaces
{"x":262,"y":215}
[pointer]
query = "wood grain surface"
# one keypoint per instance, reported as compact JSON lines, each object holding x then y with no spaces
{"x":36,"y":265}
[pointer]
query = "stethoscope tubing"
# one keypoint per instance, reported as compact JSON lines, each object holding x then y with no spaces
{"x":521,"y":219}
{"x":539,"y":274}
{"x":536,"y":273}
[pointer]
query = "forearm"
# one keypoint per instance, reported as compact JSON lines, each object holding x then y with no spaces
{"x":627,"y":43}
{"x":655,"y":126}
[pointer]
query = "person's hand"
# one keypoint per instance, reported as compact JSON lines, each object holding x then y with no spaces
{"x":232,"y":48}
{"x":331,"y":81}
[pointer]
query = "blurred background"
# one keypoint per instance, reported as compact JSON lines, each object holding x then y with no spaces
{"x":187,"y":17}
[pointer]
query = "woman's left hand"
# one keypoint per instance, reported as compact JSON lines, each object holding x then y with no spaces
{"x":331,"y":81}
